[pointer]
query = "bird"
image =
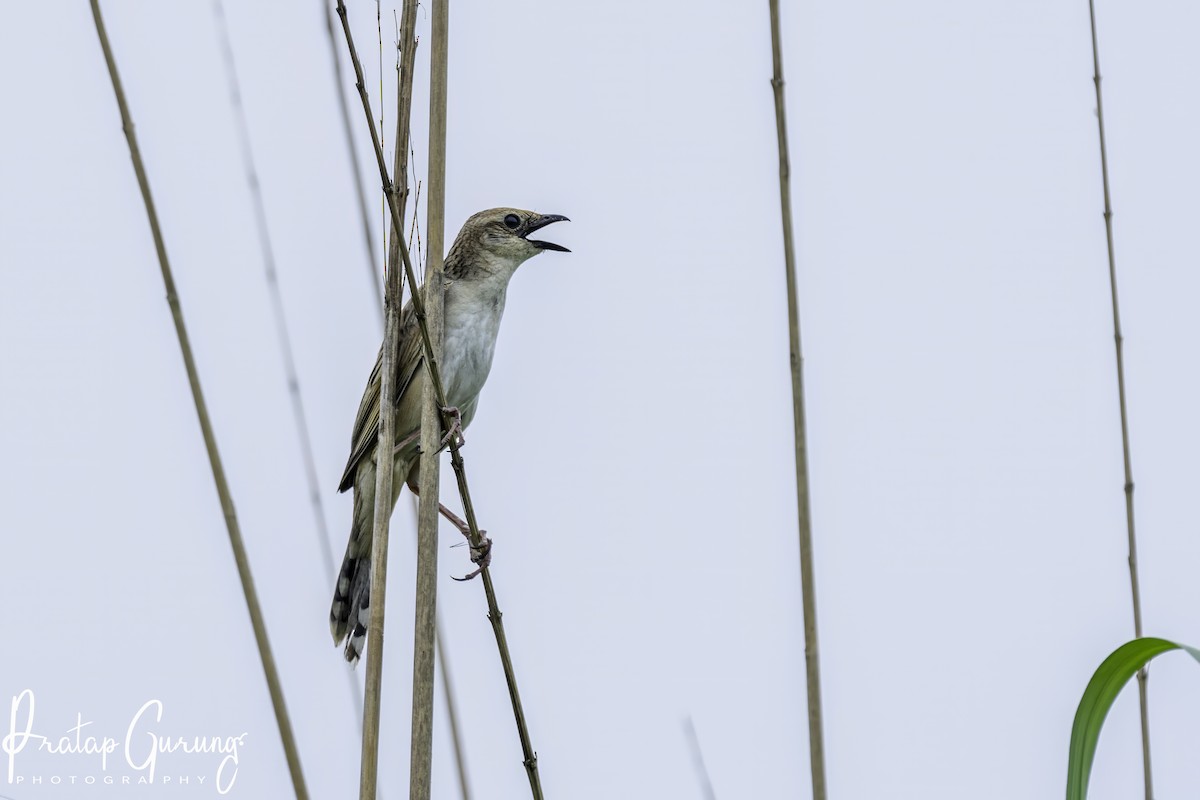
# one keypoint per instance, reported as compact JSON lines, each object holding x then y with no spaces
{"x":486,"y":253}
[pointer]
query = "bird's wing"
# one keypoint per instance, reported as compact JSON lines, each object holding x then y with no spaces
{"x":409,"y":358}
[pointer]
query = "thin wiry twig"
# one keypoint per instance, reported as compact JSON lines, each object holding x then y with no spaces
{"x":1118,"y":339}
{"x":706,"y":787}
{"x":816,"y":740}
{"x":415,"y":229}
{"x":383,"y":214}
{"x":281,"y":326}
{"x":355,"y":168}
{"x":435,"y":377}
{"x":210,"y":441}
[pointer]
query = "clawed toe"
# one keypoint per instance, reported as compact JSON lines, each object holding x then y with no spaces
{"x":455,"y":432}
{"x":480,"y":556}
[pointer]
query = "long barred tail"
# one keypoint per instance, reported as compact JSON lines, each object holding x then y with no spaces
{"x":350,"y":613}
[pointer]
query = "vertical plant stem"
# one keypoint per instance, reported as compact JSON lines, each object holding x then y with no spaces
{"x":435,"y":378}
{"x":443,"y":664}
{"x":816,"y":739}
{"x":424,"y":627}
{"x":355,"y":169}
{"x":1119,"y":342}
{"x":404,"y":91}
{"x":369,"y":765}
{"x":210,"y":442}
{"x":408,"y":50}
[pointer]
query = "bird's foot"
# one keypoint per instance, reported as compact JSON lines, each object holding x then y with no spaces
{"x":454,"y":433}
{"x":481,"y":557}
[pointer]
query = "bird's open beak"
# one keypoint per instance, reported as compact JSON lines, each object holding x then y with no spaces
{"x":541,"y":222}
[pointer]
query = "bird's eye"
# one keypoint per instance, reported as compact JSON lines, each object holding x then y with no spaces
{"x":512,"y":221}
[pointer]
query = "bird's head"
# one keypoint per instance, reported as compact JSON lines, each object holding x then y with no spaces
{"x":498,"y":239}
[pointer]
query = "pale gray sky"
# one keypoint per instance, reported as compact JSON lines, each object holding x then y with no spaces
{"x":632,"y":454}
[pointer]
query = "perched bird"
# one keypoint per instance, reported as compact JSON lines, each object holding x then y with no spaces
{"x":488,"y":250}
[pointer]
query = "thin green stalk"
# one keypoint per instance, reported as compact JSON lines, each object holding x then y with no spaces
{"x":210,"y":441}
{"x":1119,"y":341}
{"x":816,"y":740}
{"x":424,"y":626}
{"x":435,"y":378}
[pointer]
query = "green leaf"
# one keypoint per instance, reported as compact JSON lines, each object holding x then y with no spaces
{"x":1098,"y":698}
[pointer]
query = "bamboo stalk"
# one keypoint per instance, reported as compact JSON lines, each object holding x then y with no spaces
{"x":355,"y":168}
{"x":424,"y":625}
{"x":816,"y":740}
{"x":1119,"y":340}
{"x":210,"y":442}
{"x":432,"y":365}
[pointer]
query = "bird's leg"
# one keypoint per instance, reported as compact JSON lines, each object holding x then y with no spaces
{"x":455,"y":431}
{"x":480,"y":556}
{"x":455,"y":520}
{"x":405,"y":442}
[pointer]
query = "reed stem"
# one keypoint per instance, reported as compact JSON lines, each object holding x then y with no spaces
{"x":425,"y":622}
{"x":1119,"y":342}
{"x":257,"y":622}
{"x":816,"y":740}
